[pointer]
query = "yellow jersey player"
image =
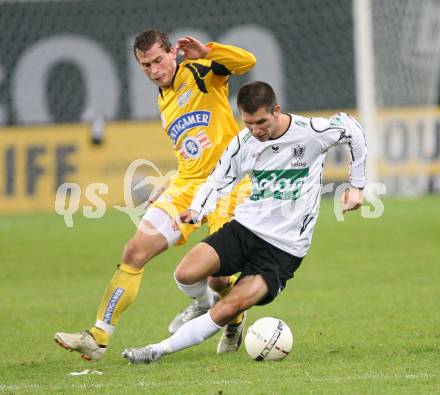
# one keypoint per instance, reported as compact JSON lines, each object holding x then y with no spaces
{"x":196,"y":115}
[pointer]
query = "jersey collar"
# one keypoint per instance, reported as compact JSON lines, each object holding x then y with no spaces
{"x":288,"y":127}
{"x":172,"y":81}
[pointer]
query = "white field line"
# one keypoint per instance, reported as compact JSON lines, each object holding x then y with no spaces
{"x":141,"y":384}
{"x":376,"y":376}
{"x":152,"y":384}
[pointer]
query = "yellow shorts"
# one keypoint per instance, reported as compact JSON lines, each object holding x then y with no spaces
{"x":180,"y":193}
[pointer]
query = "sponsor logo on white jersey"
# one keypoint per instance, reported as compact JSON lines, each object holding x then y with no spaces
{"x":336,"y":121}
{"x":301,"y":124}
{"x":246,"y":137}
{"x":298,"y":151}
{"x":282,"y":184}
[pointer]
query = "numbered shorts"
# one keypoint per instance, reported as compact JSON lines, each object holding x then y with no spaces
{"x":241,"y":250}
{"x":179,"y":196}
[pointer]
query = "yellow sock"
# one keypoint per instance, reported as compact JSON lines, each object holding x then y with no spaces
{"x":231,"y":282}
{"x":237,"y":320}
{"x":119,"y":294}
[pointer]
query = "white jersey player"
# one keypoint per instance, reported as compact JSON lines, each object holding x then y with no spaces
{"x":272,"y":230}
{"x":286,"y":174}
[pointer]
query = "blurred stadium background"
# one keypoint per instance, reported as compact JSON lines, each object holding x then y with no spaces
{"x":75,"y":108}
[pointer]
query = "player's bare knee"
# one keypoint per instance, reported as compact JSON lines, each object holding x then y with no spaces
{"x":135,"y":256}
{"x":184,"y":273}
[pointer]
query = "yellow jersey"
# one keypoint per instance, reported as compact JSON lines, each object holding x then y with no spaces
{"x":195,"y":109}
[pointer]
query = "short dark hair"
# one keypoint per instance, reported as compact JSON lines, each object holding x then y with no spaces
{"x":255,"y":95}
{"x":145,"y":40}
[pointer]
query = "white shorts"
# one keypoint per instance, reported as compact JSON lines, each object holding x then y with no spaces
{"x":162,"y":222}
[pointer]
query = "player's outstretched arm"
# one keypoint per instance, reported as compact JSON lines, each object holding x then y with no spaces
{"x":352,"y":199}
{"x":231,"y":59}
{"x":234,"y":60}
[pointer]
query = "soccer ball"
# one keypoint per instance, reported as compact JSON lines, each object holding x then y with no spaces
{"x":268,"y":339}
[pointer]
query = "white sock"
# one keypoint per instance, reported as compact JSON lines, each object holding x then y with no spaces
{"x":189,"y":334}
{"x":199,"y":291}
{"x":105,"y":327}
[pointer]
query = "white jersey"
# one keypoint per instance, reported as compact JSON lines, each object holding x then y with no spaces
{"x":286,"y":175}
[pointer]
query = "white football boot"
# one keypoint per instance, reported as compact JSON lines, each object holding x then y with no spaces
{"x":82,"y":342}
{"x":232,"y":337}
{"x":141,"y":355}
{"x":194,"y":310}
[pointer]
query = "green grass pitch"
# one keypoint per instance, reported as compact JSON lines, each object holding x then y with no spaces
{"x":364,"y":309}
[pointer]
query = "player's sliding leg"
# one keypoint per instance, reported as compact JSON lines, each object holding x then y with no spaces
{"x":191,"y":278}
{"x":221,"y":286}
{"x":203,"y":296}
{"x":232,"y":335}
{"x":124,"y":286}
{"x":246,"y":294}
{"x":189,"y":334}
{"x":231,"y":338}
{"x":195,"y":309}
